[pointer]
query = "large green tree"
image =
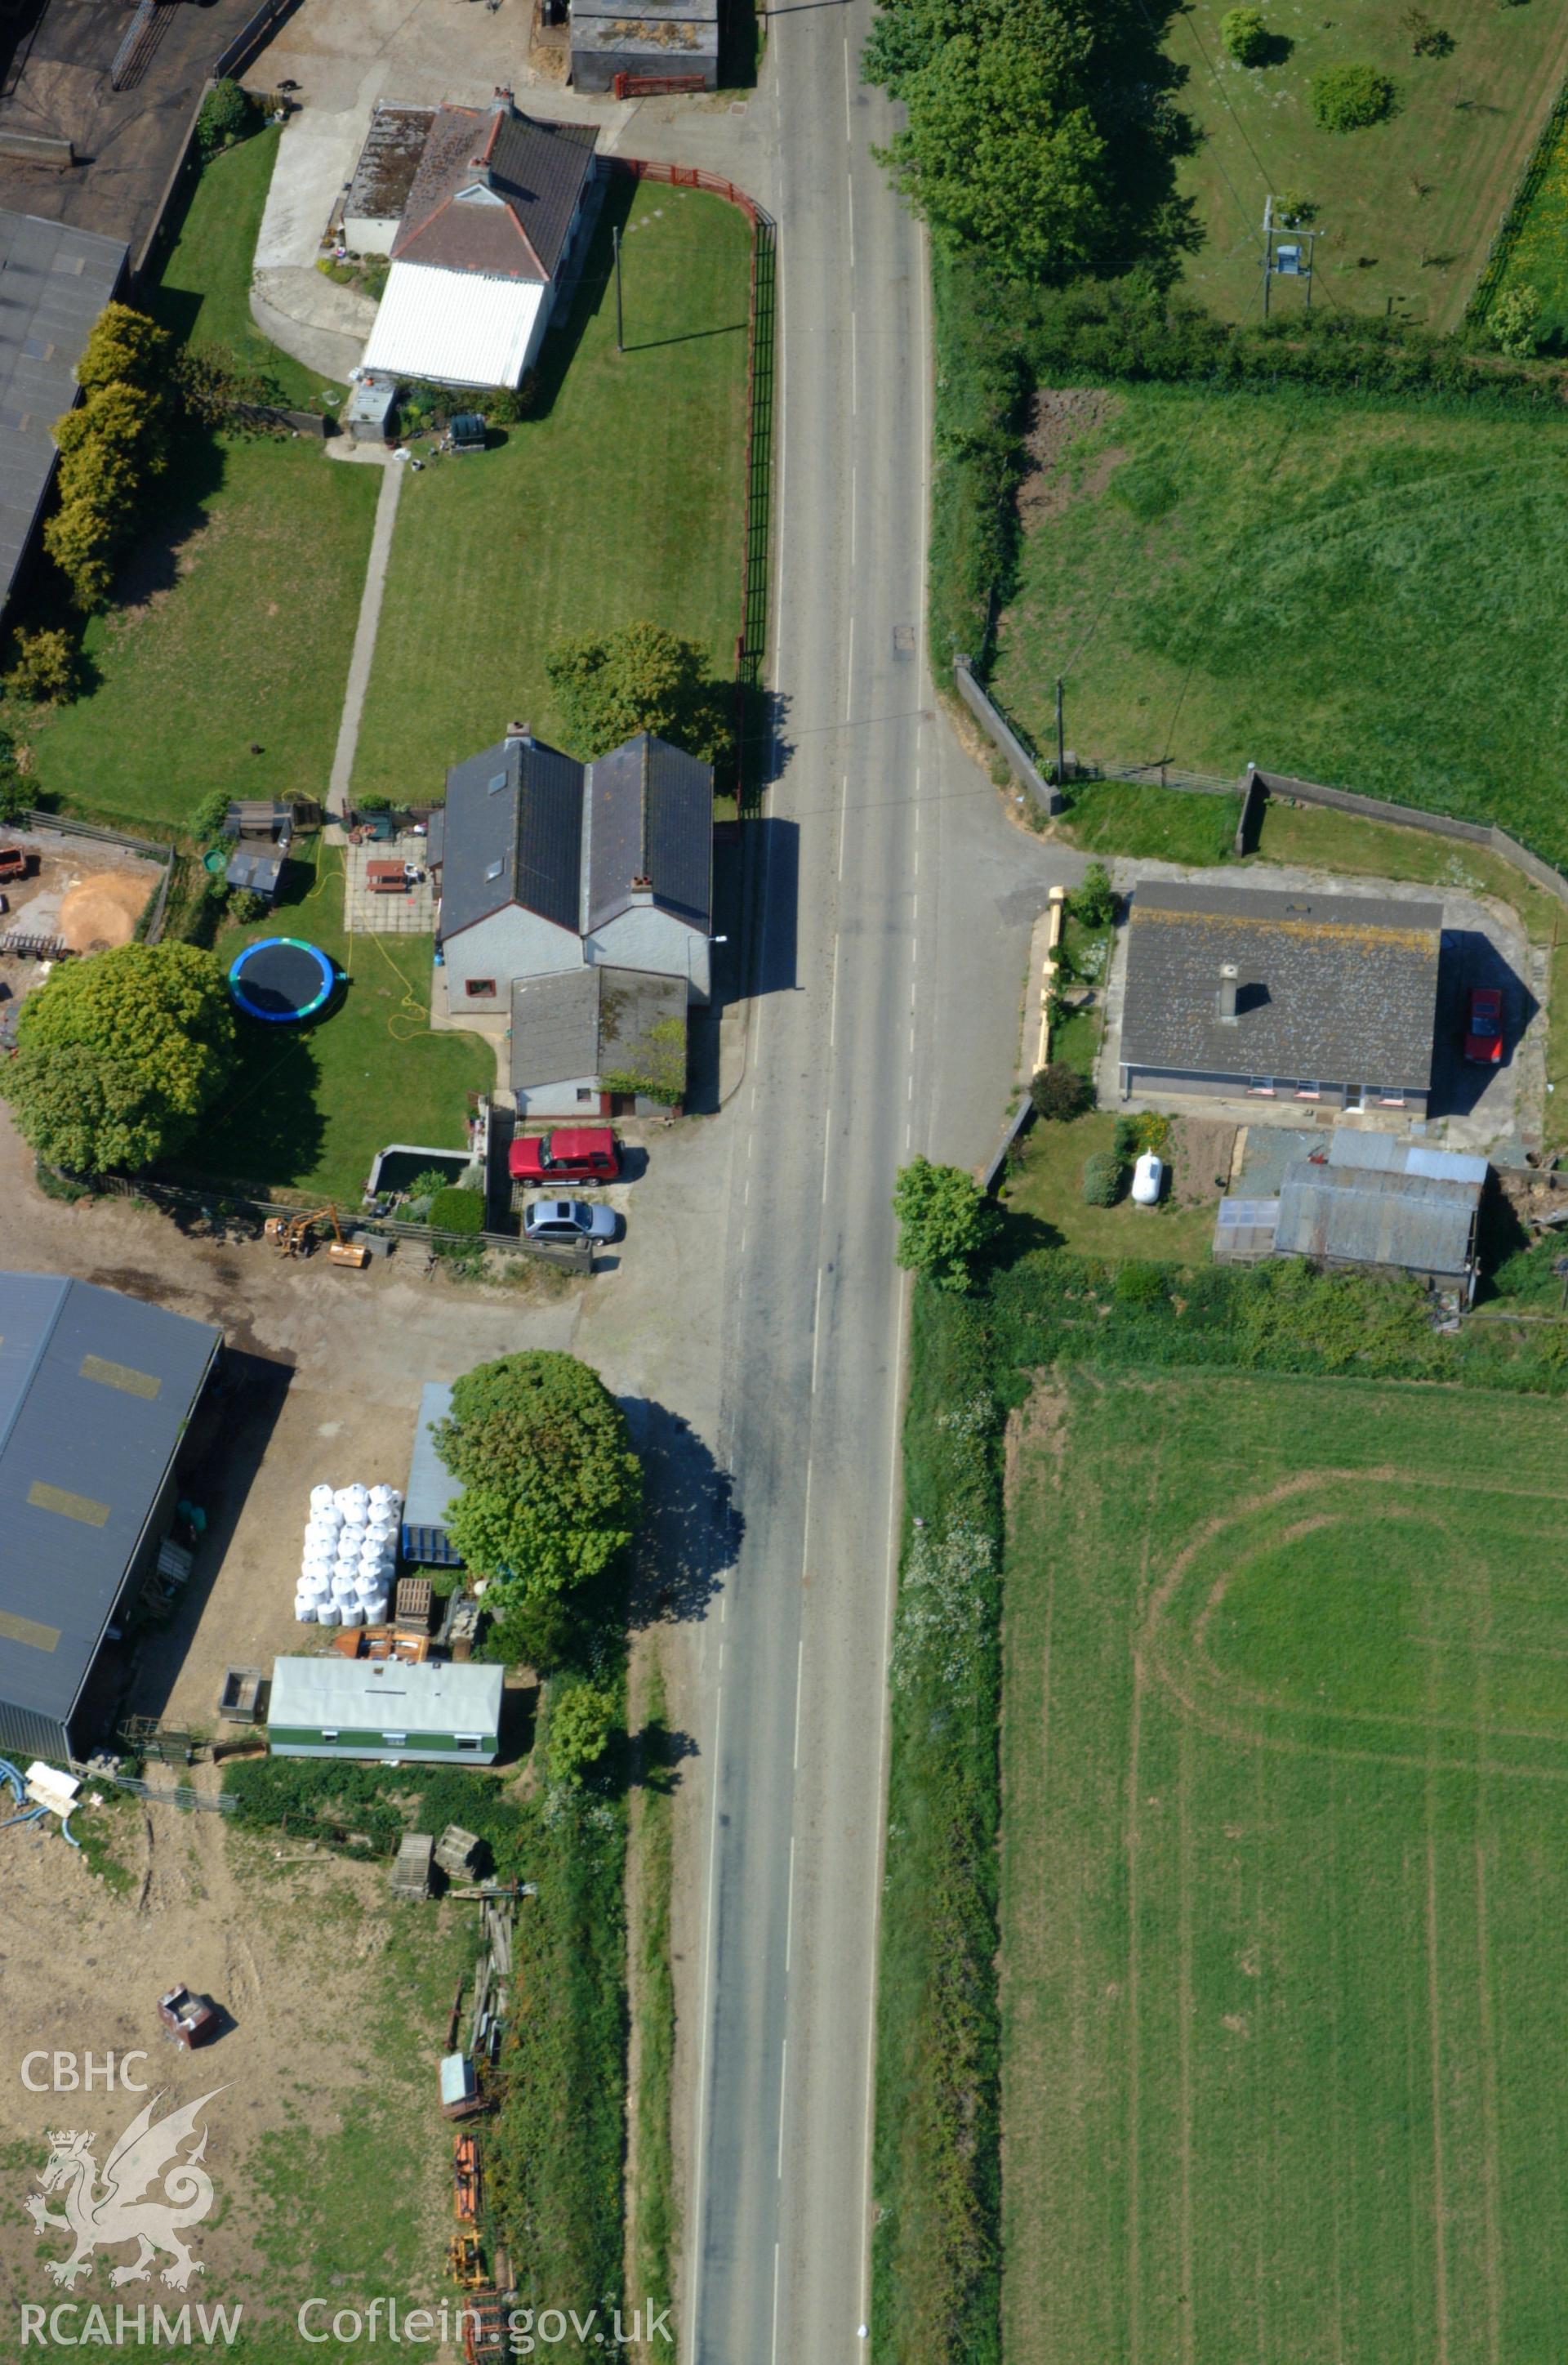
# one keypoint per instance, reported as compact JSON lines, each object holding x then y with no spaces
{"x":1001,"y":151}
{"x":610,"y":686}
{"x":551,"y":1486}
{"x":120,"y":1057}
{"x":945,"y":1220}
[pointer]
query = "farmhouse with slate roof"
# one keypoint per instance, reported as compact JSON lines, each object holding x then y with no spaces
{"x":1318,"y":998}
{"x":546,"y":865}
{"x":493,"y":226}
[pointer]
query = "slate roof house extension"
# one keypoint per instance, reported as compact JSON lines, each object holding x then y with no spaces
{"x":491,"y":231}
{"x":1234,"y":990}
{"x":547,"y":865}
{"x":96,"y":1395}
{"x":598,"y":1042}
{"x":651,"y":41}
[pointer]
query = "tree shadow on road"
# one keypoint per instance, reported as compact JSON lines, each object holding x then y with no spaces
{"x":691,"y":1531}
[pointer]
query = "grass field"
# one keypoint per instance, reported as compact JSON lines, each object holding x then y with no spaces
{"x":1407,"y":208}
{"x":1362,"y":596}
{"x":203,"y":291}
{"x":623,"y":500}
{"x":312,"y":1106}
{"x":1285,"y":1875}
{"x":237,"y":608}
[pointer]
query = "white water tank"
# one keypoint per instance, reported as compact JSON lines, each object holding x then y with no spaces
{"x":1149,"y":1180}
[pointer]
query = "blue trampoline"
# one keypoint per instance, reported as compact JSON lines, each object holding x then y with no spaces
{"x":281,"y":980}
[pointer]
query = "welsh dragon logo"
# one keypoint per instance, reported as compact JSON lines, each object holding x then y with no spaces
{"x":146,"y":2194}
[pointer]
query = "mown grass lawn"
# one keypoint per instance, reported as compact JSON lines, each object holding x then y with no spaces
{"x":1407,"y":207}
{"x":312,"y":1106}
{"x":203,"y":295}
{"x":1360,"y":595}
{"x":235,"y":612}
{"x":622,"y":501}
{"x":1284,"y":1897}
{"x":1048,"y":1183}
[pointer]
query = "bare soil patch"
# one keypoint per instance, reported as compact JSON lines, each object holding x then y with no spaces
{"x":1202,"y":1150}
{"x":1061,"y":416}
{"x":102,"y":911}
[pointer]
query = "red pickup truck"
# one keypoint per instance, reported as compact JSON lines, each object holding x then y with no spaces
{"x":584,"y":1153}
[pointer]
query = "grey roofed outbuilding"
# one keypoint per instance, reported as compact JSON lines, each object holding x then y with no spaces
{"x":650,"y":830}
{"x":513,"y":834}
{"x":54,"y":281}
{"x":256,"y":868}
{"x":1391,"y":1154}
{"x":1368,"y":1215}
{"x":430,"y":1486}
{"x":96,"y":1392}
{"x":1330,"y":987}
{"x":676,"y":36}
{"x":593,"y":1022}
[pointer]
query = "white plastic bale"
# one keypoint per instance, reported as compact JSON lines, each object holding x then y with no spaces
{"x":321,"y":1497}
{"x":306,"y":1613}
{"x":352,"y":1614}
{"x":327,"y":1614}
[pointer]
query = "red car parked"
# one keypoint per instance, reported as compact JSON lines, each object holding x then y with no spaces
{"x":1484,"y":1030}
{"x":583,"y":1153}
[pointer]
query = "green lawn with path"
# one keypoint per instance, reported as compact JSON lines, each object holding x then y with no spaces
{"x":235,"y":612}
{"x":312,"y":1105}
{"x":1358,"y":594}
{"x":1407,"y":207}
{"x":623,"y":500}
{"x":1284,"y":1873}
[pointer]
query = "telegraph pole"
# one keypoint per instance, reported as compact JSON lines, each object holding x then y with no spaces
{"x":620,"y":321}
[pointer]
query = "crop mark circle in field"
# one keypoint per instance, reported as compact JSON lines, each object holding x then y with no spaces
{"x":1380,"y":1615}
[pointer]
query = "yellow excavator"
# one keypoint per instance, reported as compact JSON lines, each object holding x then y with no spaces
{"x":295,"y":1235}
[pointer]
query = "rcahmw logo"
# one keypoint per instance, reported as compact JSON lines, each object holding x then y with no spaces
{"x":150,"y":2191}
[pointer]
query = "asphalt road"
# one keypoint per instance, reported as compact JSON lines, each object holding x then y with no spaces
{"x":890,"y":967}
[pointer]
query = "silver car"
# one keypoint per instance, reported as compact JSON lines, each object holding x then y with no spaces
{"x":568,"y":1219}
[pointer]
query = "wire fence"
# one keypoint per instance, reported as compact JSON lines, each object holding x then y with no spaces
{"x":221,"y":1200}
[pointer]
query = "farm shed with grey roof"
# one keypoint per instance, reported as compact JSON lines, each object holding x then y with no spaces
{"x":1233,"y":989}
{"x":656,"y":41}
{"x":1380,"y":1220}
{"x":96,"y":1395}
{"x":56,"y":281}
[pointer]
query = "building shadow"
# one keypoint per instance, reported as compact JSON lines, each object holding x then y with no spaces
{"x":1470,"y":958}
{"x":228,"y":1441}
{"x":774,"y":913}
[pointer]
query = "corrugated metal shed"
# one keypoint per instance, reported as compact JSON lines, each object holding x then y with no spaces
{"x":458,"y":328}
{"x":256,"y":867}
{"x":1348,"y":1215}
{"x":431,"y":1485}
{"x":1389,"y":1153}
{"x":96,"y":1392}
{"x":54,"y":281}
